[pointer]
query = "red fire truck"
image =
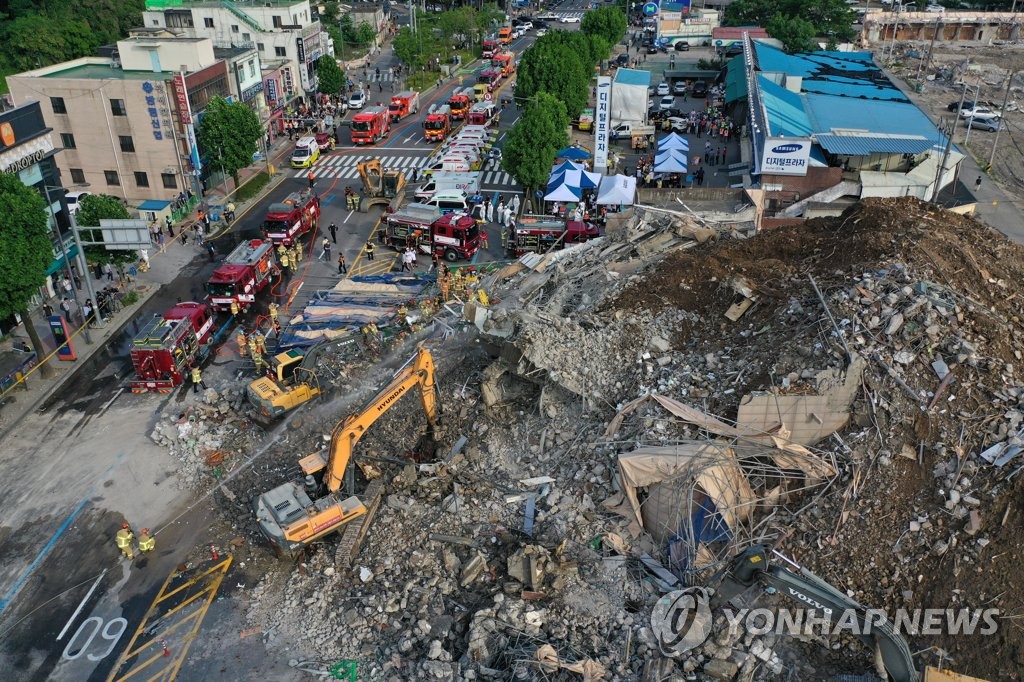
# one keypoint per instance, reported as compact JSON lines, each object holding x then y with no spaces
{"x":453,"y":236}
{"x":460,"y":101}
{"x":488,"y":48}
{"x":370,"y":125}
{"x":438,"y":123}
{"x":404,"y":104}
{"x":506,"y":61}
{"x":246,"y":271}
{"x":288,"y":220}
{"x":482,"y":114}
{"x":490,"y":77}
{"x":166,"y":347}
{"x":540,"y":233}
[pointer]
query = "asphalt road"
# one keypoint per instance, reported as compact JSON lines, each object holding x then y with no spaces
{"x":84,"y":463}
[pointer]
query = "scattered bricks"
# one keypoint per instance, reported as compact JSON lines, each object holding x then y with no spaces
{"x":717,"y":669}
{"x":973,"y":522}
{"x":895,"y":322}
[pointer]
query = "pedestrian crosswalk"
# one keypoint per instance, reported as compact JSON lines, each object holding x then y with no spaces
{"x":343,"y":167}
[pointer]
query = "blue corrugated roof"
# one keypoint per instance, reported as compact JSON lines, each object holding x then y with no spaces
{"x":863,"y":145}
{"x":785,"y":109}
{"x":828,"y":113}
{"x":633,"y":77}
{"x":850,"y":74}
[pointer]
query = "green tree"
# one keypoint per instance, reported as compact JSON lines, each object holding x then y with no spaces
{"x":94,"y":208}
{"x":832,"y":19}
{"x":796,"y":34}
{"x":409,"y":47}
{"x":365,"y":33}
{"x":534,"y":140}
{"x":330,"y":75}
{"x":607,"y":22}
{"x":25,"y":252}
{"x":554,"y":67}
{"x":228,"y":135}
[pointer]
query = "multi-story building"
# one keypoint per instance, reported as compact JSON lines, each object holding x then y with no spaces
{"x":27,"y":149}
{"x":126,"y":122}
{"x":278,"y":29}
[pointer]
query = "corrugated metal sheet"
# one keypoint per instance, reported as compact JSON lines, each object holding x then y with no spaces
{"x":633,"y":77}
{"x":735,"y":80}
{"x":785,"y":109}
{"x":864,"y":145}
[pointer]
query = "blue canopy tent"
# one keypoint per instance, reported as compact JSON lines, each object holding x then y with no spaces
{"x":673,"y":141}
{"x":564,"y":193}
{"x":573,"y":153}
{"x":566,"y":165}
{"x":578,"y":179}
{"x":671,"y":164}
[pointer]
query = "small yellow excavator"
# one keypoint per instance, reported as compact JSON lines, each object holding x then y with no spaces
{"x":294,"y":515}
{"x":292,"y":380}
{"x":380,"y":185}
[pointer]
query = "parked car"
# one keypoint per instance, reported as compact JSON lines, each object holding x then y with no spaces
{"x":681,"y":46}
{"x":663,"y":89}
{"x":989,"y":124}
{"x":542,"y":32}
{"x":570,"y":20}
{"x":538,"y":23}
{"x":978,"y":112}
{"x":622,"y":60}
{"x":677,"y":124}
{"x":527,"y":24}
{"x":700,"y":89}
{"x":667,"y":102}
{"x":548,"y":17}
{"x":679,"y":88}
{"x":357,"y":100}
{"x":74,"y":201}
{"x":652,"y":48}
{"x":937,"y":9}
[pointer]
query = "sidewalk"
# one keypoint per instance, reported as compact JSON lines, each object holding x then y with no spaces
{"x":165,"y":265}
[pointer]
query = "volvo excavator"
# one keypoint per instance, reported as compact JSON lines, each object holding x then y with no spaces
{"x":296,"y":514}
{"x":380,"y":185}
{"x":681,"y":621}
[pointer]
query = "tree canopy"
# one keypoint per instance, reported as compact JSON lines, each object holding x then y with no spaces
{"x":607,"y":22}
{"x":25,"y":250}
{"x":535,"y":139}
{"x":554,"y":65}
{"x":828,"y":19}
{"x":35,"y":33}
{"x":331,"y":77}
{"x":93,"y":209}
{"x":228,"y":135}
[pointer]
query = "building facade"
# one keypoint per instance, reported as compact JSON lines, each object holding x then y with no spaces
{"x":125,"y":123}
{"x":277,"y":29}
{"x":27,"y":149}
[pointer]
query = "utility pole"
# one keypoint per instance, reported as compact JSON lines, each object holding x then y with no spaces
{"x":942,"y":161}
{"x":931,"y":47}
{"x":995,"y":140}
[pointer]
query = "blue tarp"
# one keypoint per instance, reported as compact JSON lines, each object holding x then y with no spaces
{"x":708,"y":527}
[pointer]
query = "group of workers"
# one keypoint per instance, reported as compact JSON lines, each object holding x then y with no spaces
{"x":290,"y":256}
{"x":125,"y":540}
{"x":254,"y":344}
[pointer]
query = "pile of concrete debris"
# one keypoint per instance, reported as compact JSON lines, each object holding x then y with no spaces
{"x":798,"y":388}
{"x":207,"y":437}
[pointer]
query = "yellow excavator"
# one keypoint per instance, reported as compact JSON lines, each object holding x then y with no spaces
{"x":294,"y":515}
{"x":292,"y":380}
{"x":380,"y":185}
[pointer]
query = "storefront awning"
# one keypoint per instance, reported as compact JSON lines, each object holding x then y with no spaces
{"x":59,"y":262}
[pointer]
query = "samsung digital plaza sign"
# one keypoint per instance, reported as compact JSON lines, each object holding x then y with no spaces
{"x":785,"y":156}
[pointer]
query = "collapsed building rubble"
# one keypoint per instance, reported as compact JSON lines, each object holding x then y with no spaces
{"x":611,"y":434}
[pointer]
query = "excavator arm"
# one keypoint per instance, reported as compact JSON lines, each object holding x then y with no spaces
{"x":347,"y":433}
{"x":371,"y":174}
{"x":811,"y":592}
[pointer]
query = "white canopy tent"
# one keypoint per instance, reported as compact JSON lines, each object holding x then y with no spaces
{"x":673,"y":141}
{"x":671,"y":164}
{"x":564,"y":193}
{"x":616,"y":190}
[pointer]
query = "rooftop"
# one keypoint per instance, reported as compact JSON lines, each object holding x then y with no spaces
{"x":172,"y":4}
{"x":849,"y":74}
{"x":104,"y":71}
{"x":633,"y":77}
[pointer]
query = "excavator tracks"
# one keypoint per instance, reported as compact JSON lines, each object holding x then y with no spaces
{"x":354,"y":533}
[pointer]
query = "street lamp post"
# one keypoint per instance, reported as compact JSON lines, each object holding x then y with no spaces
{"x":63,"y":249}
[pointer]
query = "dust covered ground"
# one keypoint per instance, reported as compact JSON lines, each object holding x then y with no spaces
{"x":492,"y":552}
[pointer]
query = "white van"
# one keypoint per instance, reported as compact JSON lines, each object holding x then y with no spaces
{"x":455,"y":163}
{"x":446,"y":180}
{"x":448,"y":201}
{"x":305,"y":153}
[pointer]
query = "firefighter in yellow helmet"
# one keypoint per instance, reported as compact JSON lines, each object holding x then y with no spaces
{"x":257,"y":358}
{"x":272,"y":309}
{"x":234,"y":308}
{"x":285,"y":263}
{"x":281,"y":248}
{"x":254,"y":346}
{"x":124,"y":539}
{"x":261,"y":342}
{"x":147,"y":543}
{"x":298,"y":251}
{"x":242,"y":341}
{"x":197,"y":379}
